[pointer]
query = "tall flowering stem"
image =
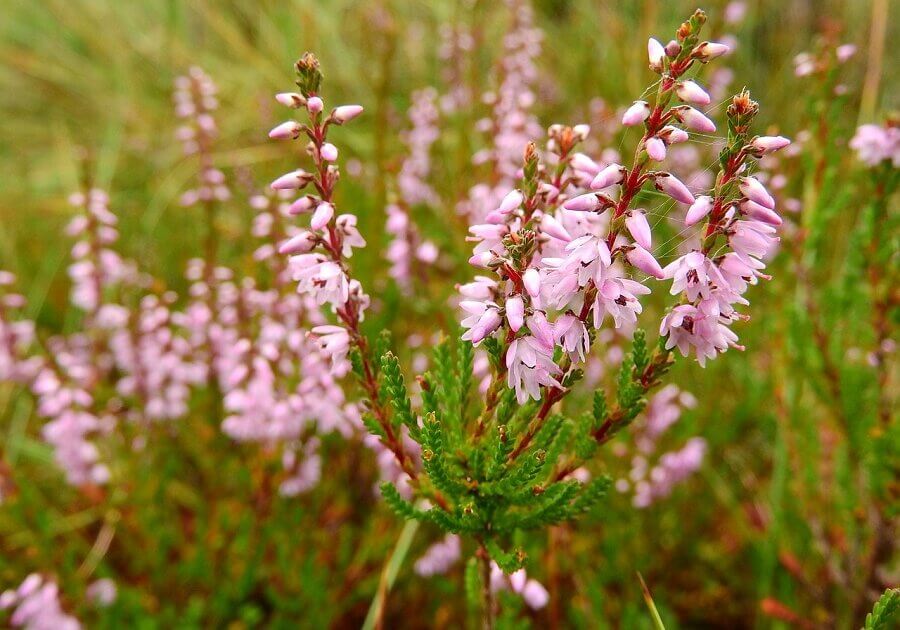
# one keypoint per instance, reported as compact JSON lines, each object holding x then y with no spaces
{"x":319,"y":256}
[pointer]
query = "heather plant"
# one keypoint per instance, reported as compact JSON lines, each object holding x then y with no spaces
{"x":458,"y":366}
{"x":565,"y":252}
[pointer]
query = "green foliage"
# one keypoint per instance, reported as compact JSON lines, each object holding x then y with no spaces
{"x":393,"y":388}
{"x":884,"y":614}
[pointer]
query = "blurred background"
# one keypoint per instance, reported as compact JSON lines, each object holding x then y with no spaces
{"x":780,"y":527}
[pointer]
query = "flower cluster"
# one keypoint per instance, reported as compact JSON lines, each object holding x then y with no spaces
{"x":195,"y":101}
{"x":556,"y":246}
{"x":653,"y":482}
{"x":37,"y":607}
{"x":875,"y":144}
{"x":738,"y":235}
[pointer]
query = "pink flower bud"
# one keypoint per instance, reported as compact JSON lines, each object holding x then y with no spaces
{"x":314,"y":105}
{"x":760,"y":213}
{"x":583,"y":203}
{"x":690,"y":92}
{"x":291,"y":99}
{"x":673,"y":48}
{"x":488,"y":323}
{"x":482,"y":260}
{"x":549,"y":225}
{"x":612,"y":174}
{"x":636,"y":114}
{"x":532,"y":281}
{"x":644,"y":260}
{"x":302,"y":205}
{"x":695,"y":120}
{"x":299,"y":244}
{"x":346,"y":113}
{"x":656,"y":54}
{"x":515,"y":312}
{"x":328,"y":152}
{"x":581,"y":162}
{"x":673,"y":135}
{"x":581,"y":131}
{"x":753,"y":190}
{"x":844,"y":52}
{"x":655,"y":148}
{"x":672,"y":186}
{"x":639,"y":228}
{"x":707,"y":51}
{"x":510,"y":202}
{"x":699,"y":209}
{"x":769,"y":144}
{"x":323,"y":214}
{"x":291,"y":181}
{"x":289,"y":129}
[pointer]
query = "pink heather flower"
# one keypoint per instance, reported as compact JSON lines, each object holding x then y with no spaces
{"x":695,"y":120}
{"x":291,"y":99}
{"x":323,"y":214}
{"x":618,"y":298}
{"x":346,"y":113}
{"x":844,"y":52}
{"x":655,"y":148}
{"x":588,"y":202}
{"x":510,"y":202}
{"x":673,"y":135}
{"x":515,"y":312}
{"x":482,"y":288}
{"x":529,"y":361}
{"x":636,"y":114}
{"x":102,"y":592}
{"x":37,"y":606}
{"x":587,"y":258}
{"x":752,"y":238}
{"x":769,"y":144}
{"x":639,"y":228}
{"x":302,"y":205}
{"x":673,"y":468}
{"x":291,"y":181}
{"x":698,"y":210}
{"x":552,"y":227}
{"x":612,"y":174}
{"x":541,"y":329}
{"x":695,"y":275}
{"x":584,"y":164}
{"x":740,"y":272}
{"x":707,"y":51}
{"x":532,"y":281}
{"x":672,"y":186}
{"x":874,"y":144}
{"x":690,"y":92}
{"x":570,"y":333}
{"x":760,"y":213}
{"x":656,"y":54}
{"x":484,"y":319}
{"x":334,"y":341}
{"x":314,"y":105}
{"x":329,"y":152}
{"x":753,"y":190}
{"x":489,"y":236}
{"x":699,"y":328}
{"x":299,"y":244}
{"x":644,"y":260}
{"x":290,"y":129}
{"x":321,"y":278}
{"x":532,"y":592}
{"x":350,"y":236}
{"x":439,"y":557}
